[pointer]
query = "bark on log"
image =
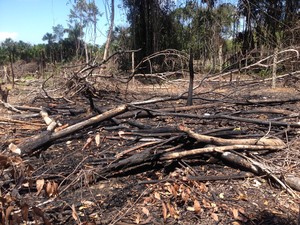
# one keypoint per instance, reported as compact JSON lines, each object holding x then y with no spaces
{"x":257,"y":168}
{"x":28,"y":146}
{"x":221,"y":141}
{"x":220,"y":149}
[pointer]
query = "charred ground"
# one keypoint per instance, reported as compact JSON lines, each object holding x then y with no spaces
{"x":84,"y":177}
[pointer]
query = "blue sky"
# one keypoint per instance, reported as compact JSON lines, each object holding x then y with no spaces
{"x":29,"y":20}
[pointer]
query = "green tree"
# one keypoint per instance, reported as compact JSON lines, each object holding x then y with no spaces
{"x":50,"y":38}
{"x":9,"y":47}
{"x":24,"y":51}
{"x":151,"y":27}
{"x":75,"y":35}
{"x":59,"y":32}
{"x":267,"y":22}
{"x":83,"y":15}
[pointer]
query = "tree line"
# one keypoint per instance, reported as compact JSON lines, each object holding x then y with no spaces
{"x":221,"y":34}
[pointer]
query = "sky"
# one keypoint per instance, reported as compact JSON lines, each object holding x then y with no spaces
{"x":30,"y":20}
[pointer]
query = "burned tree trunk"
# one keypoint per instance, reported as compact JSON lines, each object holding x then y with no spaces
{"x":191,"y":83}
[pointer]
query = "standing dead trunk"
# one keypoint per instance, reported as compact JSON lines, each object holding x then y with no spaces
{"x":112,"y":17}
{"x":4,"y":93}
{"x":220,"y":54}
{"x":191,"y":84}
{"x":11,"y":59}
{"x":86,"y":53}
{"x":274,"y":68}
{"x":5,"y":78}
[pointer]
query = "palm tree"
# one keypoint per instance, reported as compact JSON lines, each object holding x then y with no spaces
{"x":50,"y":38}
{"x":75,"y":35}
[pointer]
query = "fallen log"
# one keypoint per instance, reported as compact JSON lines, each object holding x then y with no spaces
{"x":149,"y":113}
{"x":28,"y":146}
{"x":258,"y":169}
{"x":219,"y":149}
{"x":221,"y":141}
{"x":273,"y":101}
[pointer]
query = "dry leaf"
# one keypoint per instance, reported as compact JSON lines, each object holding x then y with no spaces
{"x":173,"y":212}
{"x":172,"y":190}
{"x":236,"y":223}
{"x":8,"y":212}
{"x":16,"y":160}
{"x":24,"y":212}
{"x":88,"y":203}
{"x":8,"y":198}
{"x":171,"y":209}
{"x":190,"y":208}
{"x":51,"y":189}
{"x":202,"y":187}
{"x":185,"y":196}
{"x":176,"y":187}
{"x":145,"y":211}
{"x":242,"y":197}
{"x":164,"y":211}
{"x":37,"y":211}
{"x":74,"y":214}
{"x":4,"y":162}
{"x":39,"y":185}
{"x":88,"y":143}
{"x":206,"y":204}
{"x":235,"y":213}
{"x":242,"y":210}
{"x":157,"y":195}
{"x":148,"y":200}
{"x":138,"y":219}
{"x":215,"y":217}
{"x":197,"y":207}
{"x":97,"y":139}
{"x":188,"y":191}
{"x":12,"y":147}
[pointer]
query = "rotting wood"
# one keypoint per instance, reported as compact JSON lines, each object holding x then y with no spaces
{"x":28,"y":146}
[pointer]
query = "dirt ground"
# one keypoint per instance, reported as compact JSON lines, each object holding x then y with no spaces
{"x":63,"y":183}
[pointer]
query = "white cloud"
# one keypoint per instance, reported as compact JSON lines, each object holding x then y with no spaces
{"x":4,"y":35}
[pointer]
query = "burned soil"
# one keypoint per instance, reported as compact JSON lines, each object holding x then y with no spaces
{"x":144,"y":165}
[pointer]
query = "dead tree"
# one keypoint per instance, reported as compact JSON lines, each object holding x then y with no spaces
{"x":191,"y":69}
